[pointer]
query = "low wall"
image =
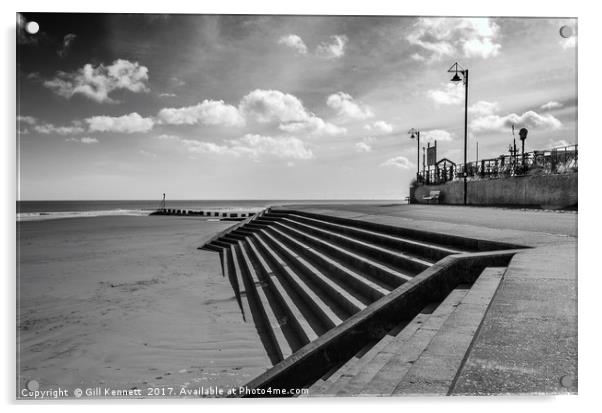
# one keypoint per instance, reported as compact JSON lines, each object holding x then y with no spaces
{"x":549,"y":191}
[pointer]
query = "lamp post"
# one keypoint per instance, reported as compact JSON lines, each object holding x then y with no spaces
{"x":456,"y":68}
{"x":415,"y":134}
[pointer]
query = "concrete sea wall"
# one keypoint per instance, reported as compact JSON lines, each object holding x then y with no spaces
{"x":549,"y":191}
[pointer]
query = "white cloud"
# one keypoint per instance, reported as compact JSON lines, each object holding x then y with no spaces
{"x":28,"y":120}
{"x":451,"y":94}
{"x":257,"y":146}
{"x":98,"y":82}
{"x":558,"y":144}
{"x":209,"y":112}
{"x":254,"y":146}
{"x":314,"y":126}
{"x":167,"y":95}
{"x":363,"y":147}
{"x":295,"y":42}
{"x":445,"y":37}
{"x":380,"y":126}
{"x":49,"y":128}
{"x":529,"y":119}
{"x":398,"y":162}
{"x":200,"y":147}
{"x":286,"y":110}
{"x":483,"y":108}
{"x":85,"y":140}
{"x":347,"y":107}
{"x":266,"y":106}
{"x":166,"y":137}
{"x":417,"y":57}
{"x":334,"y":49}
{"x":439,"y":135}
{"x":131,"y":123}
{"x":551,"y":105}
{"x":147,"y":153}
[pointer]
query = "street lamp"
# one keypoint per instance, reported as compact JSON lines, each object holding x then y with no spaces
{"x":455,"y":69}
{"x":415,"y":134}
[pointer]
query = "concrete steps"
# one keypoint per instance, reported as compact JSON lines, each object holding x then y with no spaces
{"x":422,"y":357}
{"x":298,"y":276}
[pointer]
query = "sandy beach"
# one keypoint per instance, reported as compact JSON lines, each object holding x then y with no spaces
{"x":129,"y":302}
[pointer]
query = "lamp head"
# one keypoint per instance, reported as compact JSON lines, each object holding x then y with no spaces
{"x":456,"y":78}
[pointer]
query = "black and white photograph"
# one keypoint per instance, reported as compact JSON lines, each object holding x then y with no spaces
{"x":215,"y":205}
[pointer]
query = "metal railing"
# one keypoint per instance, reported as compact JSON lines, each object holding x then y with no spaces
{"x":545,"y":162}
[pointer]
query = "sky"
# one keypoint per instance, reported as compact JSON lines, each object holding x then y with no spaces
{"x":117,"y":106}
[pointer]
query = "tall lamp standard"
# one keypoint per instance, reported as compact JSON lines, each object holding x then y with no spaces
{"x":456,"y":68}
{"x":415,"y":134}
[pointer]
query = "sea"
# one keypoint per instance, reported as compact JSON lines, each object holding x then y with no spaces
{"x":43,"y":210}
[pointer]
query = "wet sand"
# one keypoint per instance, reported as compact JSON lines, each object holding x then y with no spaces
{"x":129,"y":302}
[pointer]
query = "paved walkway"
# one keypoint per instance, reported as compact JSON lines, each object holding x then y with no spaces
{"x":528,"y":340}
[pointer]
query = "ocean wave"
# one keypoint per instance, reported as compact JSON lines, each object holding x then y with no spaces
{"x":38,"y":216}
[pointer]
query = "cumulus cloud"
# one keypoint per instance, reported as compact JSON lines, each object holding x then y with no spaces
{"x":67,"y":42}
{"x":98,"y":82}
{"x":450,"y":94}
{"x":88,"y":140}
{"x":529,"y":119}
{"x":85,"y":140}
{"x":131,"y":123}
{"x":286,"y":110}
{"x":398,"y":162}
{"x":266,"y":106}
{"x":347,"y":107}
{"x":46,"y":128}
{"x":558,"y":144}
{"x":439,"y":135}
{"x":441,"y":37}
{"x":253,"y":146}
{"x":49,"y":128}
{"x":257,"y":146}
{"x":380,"y":126}
{"x":365,"y":145}
{"x":295,"y":42}
{"x":551,"y":105}
{"x":313,"y":126}
{"x":334,"y":49}
{"x":482,"y":108}
{"x":208,"y":112}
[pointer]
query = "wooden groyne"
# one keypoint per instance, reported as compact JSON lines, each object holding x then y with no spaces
{"x":237,"y":215}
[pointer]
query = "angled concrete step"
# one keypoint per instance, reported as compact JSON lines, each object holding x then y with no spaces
{"x":254,"y":310}
{"x":275,"y":324}
{"x":341,"y":301}
{"x":382,"y":378}
{"x":387,"y":276}
{"x":436,"y":369}
{"x":235,"y":273}
{"x":440,"y":239}
{"x":321,"y":311}
{"x":303,"y":328}
{"x":383,"y":255}
{"x":426,"y":251}
{"x":360,"y":372}
{"x":363,"y":287}
{"x":353,"y":366}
